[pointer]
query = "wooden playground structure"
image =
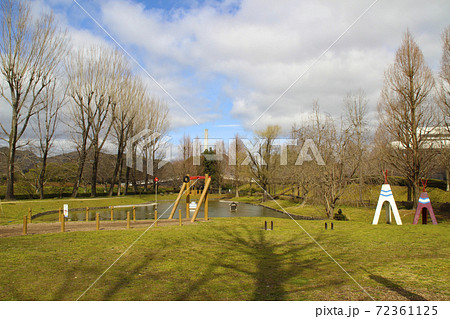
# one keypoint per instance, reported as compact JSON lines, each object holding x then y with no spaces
{"x":186,"y":189}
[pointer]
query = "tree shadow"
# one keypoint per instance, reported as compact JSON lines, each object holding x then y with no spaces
{"x":128,"y":274}
{"x":395,"y":287}
{"x":272,"y":264}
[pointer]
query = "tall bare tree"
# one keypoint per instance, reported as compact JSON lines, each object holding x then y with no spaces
{"x":406,"y":114}
{"x":237,"y":154}
{"x":444,"y":101}
{"x":30,"y":51}
{"x":124,"y":115}
{"x":263,"y":161}
{"x":95,"y":83}
{"x":356,"y":117}
{"x":329,"y":180}
{"x":45,"y":125}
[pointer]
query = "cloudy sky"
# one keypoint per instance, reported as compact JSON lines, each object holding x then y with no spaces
{"x":236,"y":66}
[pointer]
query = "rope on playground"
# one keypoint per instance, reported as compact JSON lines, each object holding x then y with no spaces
{"x":315,"y":241}
{"x":129,"y":247}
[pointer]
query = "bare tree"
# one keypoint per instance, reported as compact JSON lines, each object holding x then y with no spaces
{"x":30,"y":51}
{"x":124,"y":115}
{"x":406,"y":114}
{"x":47,"y":119}
{"x":95,"y":81}
{"x":329,"y":180}
{"x":262,"y":162}
{"x":237,"y":154}
{"x":356,"y":113}
{"x":444,"y":102}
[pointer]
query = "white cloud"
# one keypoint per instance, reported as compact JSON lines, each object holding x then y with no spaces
{"x":264,"y":46}
{"x":205,"y":56}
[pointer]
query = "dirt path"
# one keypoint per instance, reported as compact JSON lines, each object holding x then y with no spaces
{"x":46,"y":228}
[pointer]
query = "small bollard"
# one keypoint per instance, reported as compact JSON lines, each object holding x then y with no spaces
{"x":179,"y":216}
{"x":29,"y":215}
{"x":134,"y":213}
{"x":87,"y":214}
{"x":156,"y":217}
{"x":112,"y":213}
{"x":63,"y":224}
{"x":128,"y":220}
{"x":265,"y":225}
{"x":332,"y":226}
{"x":97,"y":221}
{"x":271,"y":225}
{"x":25,"y":226}
{"x":326,"y":226}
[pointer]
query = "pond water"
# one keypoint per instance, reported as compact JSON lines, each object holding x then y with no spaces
{"x":216,"y":209}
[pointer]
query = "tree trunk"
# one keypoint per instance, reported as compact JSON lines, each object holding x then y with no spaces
{"x":11,"y":158}
{"x":42,"y":175}
{"x":409,"y":198}
{"x":127,"y":180}
{"x":115,"y":172}
{"x":81,"y":162}
{"x":10,"y":178}
{"x":94,"y":172}
{"x":447,"y":173}
{"x":119,"y":181}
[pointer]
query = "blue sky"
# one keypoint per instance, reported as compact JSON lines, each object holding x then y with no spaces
{"x":225,"y":62}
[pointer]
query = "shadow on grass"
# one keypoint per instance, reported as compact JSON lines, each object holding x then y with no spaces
{"x":269,"y":262}
{"x":395,"y":287}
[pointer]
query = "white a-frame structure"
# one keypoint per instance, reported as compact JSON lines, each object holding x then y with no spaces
{"x":386,"y":196}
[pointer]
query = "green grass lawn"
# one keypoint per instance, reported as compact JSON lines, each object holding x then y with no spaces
{"x":231,"y":259}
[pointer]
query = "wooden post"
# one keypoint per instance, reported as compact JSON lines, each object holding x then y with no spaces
{"x":180,"y":194}
{"x":179,"y":215}
{"x":156,"y":217}
{"x":128,"y":220}
{"x":202,"y":198}
{"x":206,"y":205}
{"x":25,"y":225}
{"x":29,"y":215}
{"x":112,"y":213}
{"x":59,"y":213}
{"x":134,"y":213}
{"x":97,"y":221}
{"x":63,"y":224}
{"x":87,"y":214}
{"x":188,"y":196}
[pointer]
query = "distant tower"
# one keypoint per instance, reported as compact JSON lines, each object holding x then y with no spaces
{"x":206,"y":140}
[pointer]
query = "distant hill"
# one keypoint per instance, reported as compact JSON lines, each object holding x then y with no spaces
{"x":25,"y":160}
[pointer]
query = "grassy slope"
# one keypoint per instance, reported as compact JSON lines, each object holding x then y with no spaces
{"x":231,"y":259}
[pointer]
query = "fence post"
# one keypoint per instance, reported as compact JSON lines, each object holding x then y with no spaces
{"x":25,"y":225}
{"x":29,"y":215}
{"x":179,"y":215}
{"x":97,"y":220}
{"x":87,"y":214}
{"x":112,"y":213}
{"x":128,"y":220}
{"x":134,"y":213}
{"x":63,"y":224}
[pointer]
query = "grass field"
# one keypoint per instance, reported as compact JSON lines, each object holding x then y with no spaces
{"x":231,"y":259}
